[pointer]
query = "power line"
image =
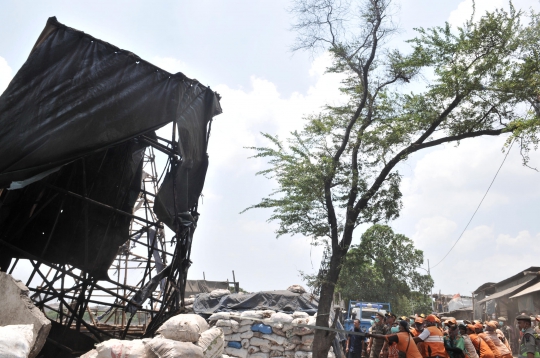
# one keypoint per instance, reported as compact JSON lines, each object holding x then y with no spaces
{"x":478,"y":207}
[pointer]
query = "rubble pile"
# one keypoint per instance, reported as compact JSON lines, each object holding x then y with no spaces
{"x":266,"y":334}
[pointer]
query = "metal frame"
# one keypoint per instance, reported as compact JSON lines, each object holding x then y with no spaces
{"x":69,"y":296}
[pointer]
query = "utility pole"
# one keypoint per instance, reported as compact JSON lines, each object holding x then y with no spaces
{"x":431,"y":298}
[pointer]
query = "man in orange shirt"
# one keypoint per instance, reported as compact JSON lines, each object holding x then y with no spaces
{"x":481,"y":347}
{"x":403,"y":340}
{"x":432,"y":337}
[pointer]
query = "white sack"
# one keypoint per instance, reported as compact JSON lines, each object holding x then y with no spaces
{"x":183,"y":328}
{"x":253,"y":349}
{"x":296,"y":339}
{"x":296,"y":289}
{"x":245,"y":343}
{"x":281,"y":317}
{"x":287,"y":327}
{"x":261,"y":343}
{"x":252,"y":314}
{"x":16,"y":340}
{"x":241,"y":353}
{"x":226,"y":330}
{"x":235,"y":337}
{"x":275,"y":338}
{"x":219,"y":293}
{"x":298,"y":314}
{"x":219,"y":315}
{"x":302,"y":354}
{"x":212,"y":342}
{"x":246,"y":335}
{"x":167,"y":348}
{"x":308,"y":339}
{"x":260,"y":355}
{"x":244,"y":328}
{"x":122,"y":349}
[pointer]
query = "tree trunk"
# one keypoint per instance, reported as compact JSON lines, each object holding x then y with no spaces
{"x":323,"y":339}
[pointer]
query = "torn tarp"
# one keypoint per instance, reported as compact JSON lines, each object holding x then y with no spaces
{"x":80,"y":97}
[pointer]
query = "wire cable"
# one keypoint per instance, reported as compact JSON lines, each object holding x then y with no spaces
{"x":478,"y":207}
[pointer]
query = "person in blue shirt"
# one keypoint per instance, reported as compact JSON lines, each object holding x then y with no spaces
{"x":355,"y":343}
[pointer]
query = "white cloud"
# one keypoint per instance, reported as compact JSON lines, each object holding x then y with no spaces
{"x":262,"y":108}
{"x":6,"y":74}
{"x":465,"y":10}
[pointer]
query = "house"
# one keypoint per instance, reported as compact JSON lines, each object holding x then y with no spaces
{"x":508,"y":298}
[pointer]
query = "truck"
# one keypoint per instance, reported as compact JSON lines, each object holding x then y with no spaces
{"x":364,"y":311}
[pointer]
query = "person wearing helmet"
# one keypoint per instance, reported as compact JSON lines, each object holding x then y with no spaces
{"x":432,"y":339}
{"x":417,"y":327}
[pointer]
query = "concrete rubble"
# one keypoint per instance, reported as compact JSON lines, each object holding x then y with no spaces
{"x":17,"y":309}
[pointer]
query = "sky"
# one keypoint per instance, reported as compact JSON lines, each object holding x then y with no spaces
{"x":242,"y":50}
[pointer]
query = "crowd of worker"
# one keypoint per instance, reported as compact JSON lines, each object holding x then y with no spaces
{"x":430,"y":336}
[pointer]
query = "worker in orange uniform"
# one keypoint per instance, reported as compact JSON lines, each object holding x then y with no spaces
{"x":479,"y":330}
{"x":418,"y":326}
{"x":432,"y":337}
{"x":491,"y":331}
{"x":479,"y":344}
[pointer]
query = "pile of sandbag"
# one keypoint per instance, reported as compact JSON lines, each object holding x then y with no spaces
{"x":266,"y":334}
{"x":184,"y":335}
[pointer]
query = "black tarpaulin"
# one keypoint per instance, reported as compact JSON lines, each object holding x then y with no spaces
{"x":76,"y":95}
{"x":285,"y":301}
{"x":73,"y":116}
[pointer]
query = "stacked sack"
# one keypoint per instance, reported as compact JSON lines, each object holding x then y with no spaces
{"x":184,"y":335}
{"x":266,"y":334}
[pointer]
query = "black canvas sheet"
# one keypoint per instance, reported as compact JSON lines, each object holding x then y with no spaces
{"x":75,"y":111}
{"x":284,"y":301}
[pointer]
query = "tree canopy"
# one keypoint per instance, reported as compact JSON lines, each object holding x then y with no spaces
{"x":384,"y":268}
{"x":339,"y":171}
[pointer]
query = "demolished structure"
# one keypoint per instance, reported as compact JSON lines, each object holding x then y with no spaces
{"x":85,"y":199}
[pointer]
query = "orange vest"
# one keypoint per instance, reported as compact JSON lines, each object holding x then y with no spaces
{"x":434,"y":344}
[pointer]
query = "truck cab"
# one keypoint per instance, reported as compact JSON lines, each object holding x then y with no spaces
{"x":364,"y":311}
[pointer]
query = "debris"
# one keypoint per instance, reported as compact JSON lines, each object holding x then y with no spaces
{"x":18,"y":309}
{"x":16,"y":341}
